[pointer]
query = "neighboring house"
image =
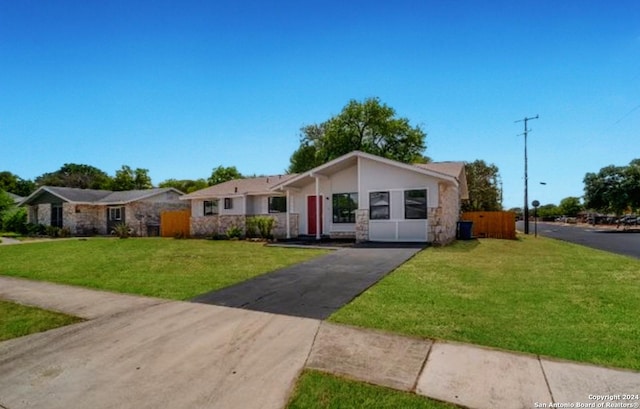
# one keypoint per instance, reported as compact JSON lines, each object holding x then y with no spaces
{"x":217,"y":208}
{"x":89,"y":211}
{"x":358,"y":195}
{"x":16,"y":199}
{"x":371,"y":198}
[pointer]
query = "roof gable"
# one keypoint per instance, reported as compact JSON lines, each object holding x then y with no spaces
{"x":351,"y":158}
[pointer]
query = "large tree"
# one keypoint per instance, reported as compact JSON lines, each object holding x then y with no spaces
{"x":570,"y":206}
{"x":16,"y":185}
{"x":484,"y":191}
{"x":223,"y":174}
{"x":76,"y":175}
{"x":185,"y":185}
{"x":369,"y":126}
{"x":614,"y":188}
{"x":131,"y":179}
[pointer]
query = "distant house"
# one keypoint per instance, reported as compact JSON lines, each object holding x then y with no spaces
{"x":89,"y":211}
{"x":16,"y":199}
{"x":217,"y":208}
{"x":358,"y":195}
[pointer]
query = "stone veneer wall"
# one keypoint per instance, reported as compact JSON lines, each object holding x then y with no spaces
{"x":280,"y":229}
{"x":40,"y":214}
{"x":85,"y":220}
{"x":443,"y":219}
{"x":362,"y":225}
{"x":206,"y":226}
{"x":203,"y":226}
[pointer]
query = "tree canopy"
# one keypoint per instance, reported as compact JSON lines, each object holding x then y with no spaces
{"x":614,"y":188}
{"x":570,"y":206}
{"x":223,"y":174}
{"x":76,"y":175}
{"x":16,"y":185}
{"x":185,"y":185}
{"x":131,"y":179}
{"x":369,"y":126}
{"x":482,"y":182}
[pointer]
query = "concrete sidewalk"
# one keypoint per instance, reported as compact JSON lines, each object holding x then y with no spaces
{"x":137,"y":352}
{"x":467,"y":375}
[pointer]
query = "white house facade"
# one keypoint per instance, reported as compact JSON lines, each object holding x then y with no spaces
{"x":369,"y":198}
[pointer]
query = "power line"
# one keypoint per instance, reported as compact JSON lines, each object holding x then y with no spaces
{"x":627,"y":114}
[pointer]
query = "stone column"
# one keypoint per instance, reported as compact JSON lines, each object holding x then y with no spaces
{"x":362,"y":225}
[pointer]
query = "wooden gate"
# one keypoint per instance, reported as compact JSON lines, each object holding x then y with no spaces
{"x":494,"y":225}
{"x":175,"y":223}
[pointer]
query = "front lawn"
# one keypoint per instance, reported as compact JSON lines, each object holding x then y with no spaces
{"x":316,"y":390}
{"x":533,"y":295}
{"x":18,"y":320}
{"x":166,"y":268}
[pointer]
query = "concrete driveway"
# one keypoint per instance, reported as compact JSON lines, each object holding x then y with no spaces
{"x":138,"y":352}
{"x":318,"y":287}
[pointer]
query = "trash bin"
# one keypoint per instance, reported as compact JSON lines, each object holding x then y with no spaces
{"x":464,"y":230}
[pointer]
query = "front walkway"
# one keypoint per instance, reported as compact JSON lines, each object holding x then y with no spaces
{"x":318,"y":287}
{"x":139,"y":352}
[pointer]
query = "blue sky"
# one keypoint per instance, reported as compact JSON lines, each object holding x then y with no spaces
{"x":180,"y":87}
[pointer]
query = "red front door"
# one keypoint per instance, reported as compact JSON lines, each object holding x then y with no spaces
{"x":312,"y":217}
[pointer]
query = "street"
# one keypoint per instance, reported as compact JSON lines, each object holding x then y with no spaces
{"x":598,"y":237}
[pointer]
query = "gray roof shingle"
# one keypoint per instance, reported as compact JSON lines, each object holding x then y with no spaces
{"x":93,"y":196}
{"x":248,"y":186}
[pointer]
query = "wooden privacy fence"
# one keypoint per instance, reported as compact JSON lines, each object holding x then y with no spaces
{"x":494,"y":225}
{"x":175,"y":223}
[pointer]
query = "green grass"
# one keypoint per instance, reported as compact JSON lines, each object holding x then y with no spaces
{"x":322,"y":391}
{"x":18,"y":320}
{"x":540,"y":296}
{"x":166,"y":268}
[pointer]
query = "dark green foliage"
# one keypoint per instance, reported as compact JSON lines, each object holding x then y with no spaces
{"x":131,"y":179}
{"x":614,"y":188}
{"x":570,"y":206}
{"x":223,"y":174}
{"x":75,"y":175}
{"x":484,"y":191}
{"x":16,"y":185}
{"x":6,"y":202}
{"x":14,"y":220}
{"x":369,"y":126}
{"x":185,"y":185}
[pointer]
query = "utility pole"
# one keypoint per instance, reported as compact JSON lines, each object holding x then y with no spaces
{"x":526,"y":175}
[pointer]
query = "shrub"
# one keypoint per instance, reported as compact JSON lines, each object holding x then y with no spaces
{"x":15,"y":220}
{"x":53,"y":231}
{"x":36,"y":229}
{"x":252,"y":227}
{"x":122,"y":230}
{"x":234,"y":232}
{"x":265,"y":225}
